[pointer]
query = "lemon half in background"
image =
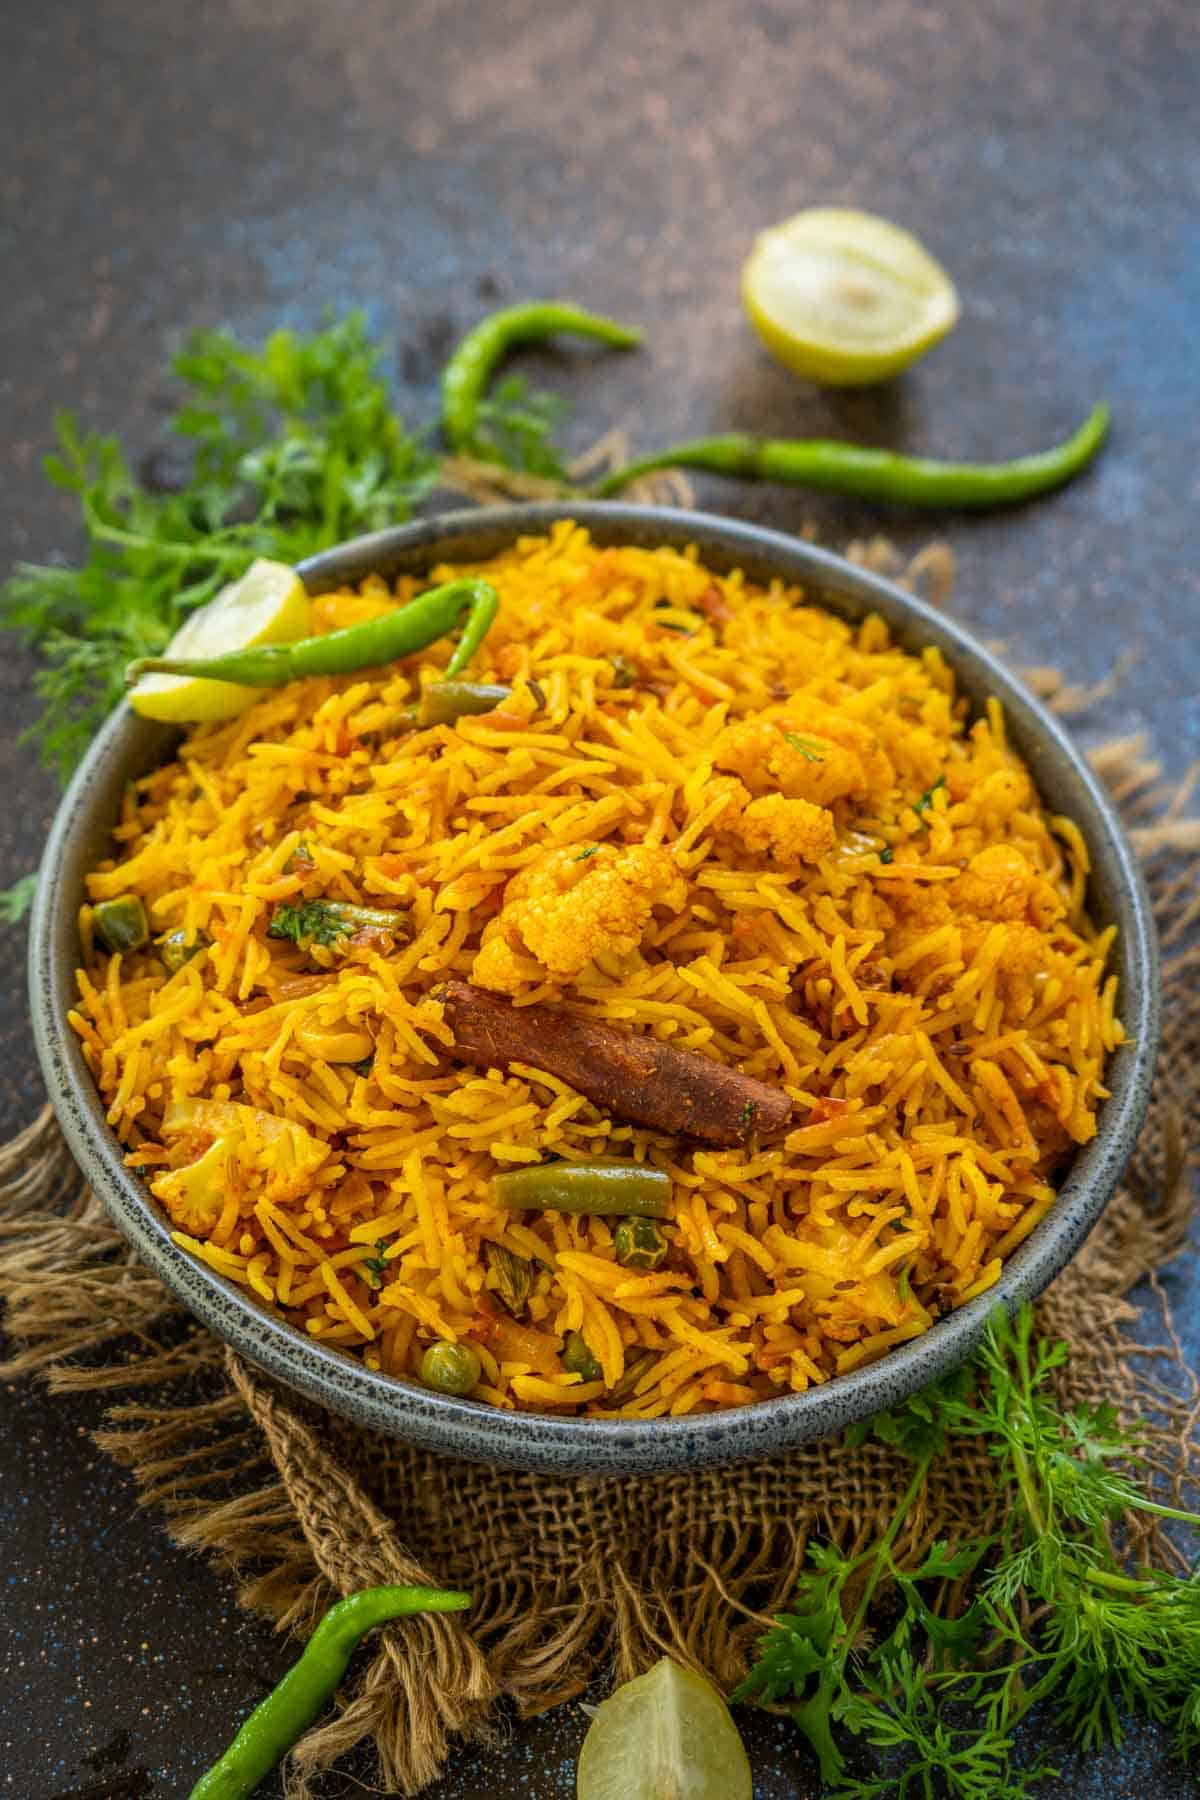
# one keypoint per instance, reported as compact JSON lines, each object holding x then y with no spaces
{"x":667,"y":1733}
{"x":845,"y":298}
{"x":267,"y":605}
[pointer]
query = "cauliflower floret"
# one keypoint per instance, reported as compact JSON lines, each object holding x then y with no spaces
{"x":996,"y":884}
{"x":195,"y":1194}
{"x":572,"y":906}
{"x":802,"y":762}
{"x":499,"y":967}
{"x":789,"y":831}
{"x":746,"y":748}
{"x":1000,"y":883}
{"x":808,"y":717}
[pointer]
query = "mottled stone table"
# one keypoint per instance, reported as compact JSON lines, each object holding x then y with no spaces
{"x":167,"y":166}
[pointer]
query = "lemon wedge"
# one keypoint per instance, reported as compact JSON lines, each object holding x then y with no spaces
{"x":267,"y":605}
{"x":666,"y":1736}
{"x":845,"y":298}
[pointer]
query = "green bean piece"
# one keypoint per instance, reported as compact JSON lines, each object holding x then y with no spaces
{"x":366,"y":645}
{"x":514,"y":1276}
{"x":577,"y":1359}
{"x":175,"y":949}
{"x":637,"y":1362}
{"x":470,"y":368}
{"x":450,"y":1368}
{"x":837,"y":468}
{"x":120,"y":924}
{"x":607,"y":1185}
{"x":287,"y":1712}
{"x":445,"y":701}
{"x":640,"y":1244}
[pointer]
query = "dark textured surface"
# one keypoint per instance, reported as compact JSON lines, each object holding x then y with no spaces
{"x":167,"y":166}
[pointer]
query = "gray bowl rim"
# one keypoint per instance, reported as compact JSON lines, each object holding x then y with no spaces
{"x":469,"y":1429}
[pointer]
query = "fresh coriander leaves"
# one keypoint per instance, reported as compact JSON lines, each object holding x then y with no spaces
{"x":922,"y":806}
{"x":376,"y":1266}
{"x":1042,"y":1610}
{"x":16,"y":901}
{"x":515,"y":427}
{"x":805,"y":747}
{"x":295,"y":447}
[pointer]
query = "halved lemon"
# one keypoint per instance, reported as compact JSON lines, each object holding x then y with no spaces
{"x":266,"y":605}
{"x":666,"y":1736}
{"x":846,"y":298}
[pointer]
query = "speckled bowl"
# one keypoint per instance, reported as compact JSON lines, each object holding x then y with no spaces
{"x":128,"y":746}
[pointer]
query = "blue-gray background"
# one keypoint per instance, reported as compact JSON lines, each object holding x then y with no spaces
{"x":256,"y":161}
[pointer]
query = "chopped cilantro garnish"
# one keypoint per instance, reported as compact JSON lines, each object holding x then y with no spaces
{"x":376,"y":1266}
{"x":922,"y":806}
{"x":805,"y":746}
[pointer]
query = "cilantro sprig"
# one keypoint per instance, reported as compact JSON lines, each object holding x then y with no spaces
{"x":804,"y":746}
{"x":922,"y":806}
{"x":515,"y":426}
{"x":938,"y":1686}
{"x":295,"y":446}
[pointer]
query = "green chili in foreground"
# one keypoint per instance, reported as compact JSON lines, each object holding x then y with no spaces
{"x":466,"y":375}
{"x":838,"y":468}
{"x":363,"y":646}
{"x":287,"y":1712}
{"x":445,"y":702}
{"x":607,"y":1185}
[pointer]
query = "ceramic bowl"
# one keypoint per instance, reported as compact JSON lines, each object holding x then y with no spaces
{"x":129,"y":746}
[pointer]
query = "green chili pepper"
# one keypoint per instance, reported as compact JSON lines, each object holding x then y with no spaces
{"x":640,"y":1244}
{"x":363,"y":646}
{"x":466,"y":375}
{"x":445,"y":701}
{"x":450,"y":1368}
{"x":878,"y":474}
{"x":577,"y":1359}
{"x":607,"y":1185}
{"x":175,"y":949}
{"x":120,"y":924}
{"x":288,"y":1711}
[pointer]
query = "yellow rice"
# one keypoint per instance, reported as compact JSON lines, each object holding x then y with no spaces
{"x":865,"y":902}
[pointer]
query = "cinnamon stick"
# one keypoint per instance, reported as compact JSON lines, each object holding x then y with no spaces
{"x":633,"y":1078}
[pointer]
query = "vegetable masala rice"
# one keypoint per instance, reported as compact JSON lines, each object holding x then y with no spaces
{"x":684,"y":1011}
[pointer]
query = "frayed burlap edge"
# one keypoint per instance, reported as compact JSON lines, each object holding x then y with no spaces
{"x":570,"y":1576}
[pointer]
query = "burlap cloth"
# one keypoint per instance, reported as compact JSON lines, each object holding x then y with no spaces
{"x":568,"y":1576}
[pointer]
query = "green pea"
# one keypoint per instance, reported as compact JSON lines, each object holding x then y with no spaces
{"x":121,"y":923}
{"x":450,"y":1368}
{"x":640,"y":1244}
{"x":577,"y":1359}
{"x":175,"y":949}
